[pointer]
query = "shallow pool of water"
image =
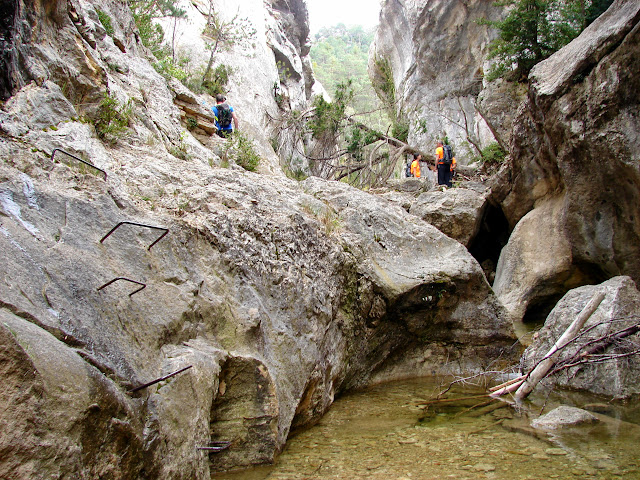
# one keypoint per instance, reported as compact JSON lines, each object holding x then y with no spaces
{"x":382,"y":433}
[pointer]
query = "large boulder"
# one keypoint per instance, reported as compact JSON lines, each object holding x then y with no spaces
{"x":455,"y":212}
{"x":536,"y":263}
{"x":575,"y":152}
{"x":619,"y":375}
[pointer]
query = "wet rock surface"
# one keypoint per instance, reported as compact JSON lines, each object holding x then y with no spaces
{"x":564,"y":416}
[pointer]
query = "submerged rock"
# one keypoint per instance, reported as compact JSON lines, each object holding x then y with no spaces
{"x":564,"y":416}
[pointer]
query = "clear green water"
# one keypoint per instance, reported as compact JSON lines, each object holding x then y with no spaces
{"x":380,"y":433}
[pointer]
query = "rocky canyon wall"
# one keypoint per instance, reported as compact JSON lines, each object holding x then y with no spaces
{"x":573,"y":183}
{"x":274,"y":295}
{"x":434,"y":54}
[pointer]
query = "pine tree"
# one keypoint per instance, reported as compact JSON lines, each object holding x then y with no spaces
{"x":534,"y":29}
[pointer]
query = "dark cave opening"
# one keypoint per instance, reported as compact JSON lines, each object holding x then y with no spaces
{"x":492,"y":236}
{"x":579,"y":275}
{"x":539,"y":309}
{"x":8,"y":10}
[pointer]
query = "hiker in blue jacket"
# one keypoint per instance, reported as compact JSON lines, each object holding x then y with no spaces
{"x":224,"y":116}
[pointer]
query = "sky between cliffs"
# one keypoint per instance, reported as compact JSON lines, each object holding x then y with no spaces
{"x":326,"y":13}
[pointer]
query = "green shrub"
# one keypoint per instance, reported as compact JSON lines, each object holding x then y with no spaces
{"x":297,"y":175}
{"x":241,"y":150}
{"x":328,"y":116}
{"x":357,"y":138}
{"x":216,"y":82}
{"x":192,"y":123}
{"x":105,"y":20}
{"x":534,"y":29}
{"x":168,"y":68}
{"x":113,"y":118}
{"x":385,"y":88}
{"x":492,"y":154}
{"x":400,"y":130}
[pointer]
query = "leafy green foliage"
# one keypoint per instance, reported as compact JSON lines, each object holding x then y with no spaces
{"x":400,"y":130}
{"x":240,"y":149}
{"x":385,"y":88}
{"x":225,"y":34}
{"x":169,"y":68}
{"x":328,"y":116}
{"x":217,"y":80}
{"x":357,"y":139}
{"x":535,"y":29}
{"x":192,"y":123}
{"x":145,"y":13}
{"x":220,"y":35}
{"x":492,"y":154}
{"x":105,"y":20}
{"x":341,"y":53}
{"x":113,"y":118}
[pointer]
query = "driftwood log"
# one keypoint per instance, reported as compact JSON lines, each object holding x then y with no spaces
{"x":525,"y":384}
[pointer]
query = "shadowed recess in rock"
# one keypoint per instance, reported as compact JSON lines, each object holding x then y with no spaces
{"x":491,"y":237}
{"x":7,"y":19}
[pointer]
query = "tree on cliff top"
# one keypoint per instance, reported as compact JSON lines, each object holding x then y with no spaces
{"x":534,"y":29}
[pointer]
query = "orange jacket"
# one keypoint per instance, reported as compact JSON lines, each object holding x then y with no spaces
{"x":415,"y":168}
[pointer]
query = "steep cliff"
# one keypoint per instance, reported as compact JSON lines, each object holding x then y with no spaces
{"x":127,"y":260}
{"x":433,"y":53}
{"x":572,"y":190}
{"x":272,"y":62}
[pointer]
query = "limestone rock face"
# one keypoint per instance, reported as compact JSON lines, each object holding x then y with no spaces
{"x":456,"y":212}
{"x":125,"y":260}
{"x":436,"y":53}
{"x":303,"y":290}
{"x":65,"y":46}
{"x":575,"y":155}
{"x":273,"y":61}
{"x":616,"y":378}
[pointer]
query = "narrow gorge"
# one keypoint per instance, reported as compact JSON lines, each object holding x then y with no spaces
{"x":157,"y":298}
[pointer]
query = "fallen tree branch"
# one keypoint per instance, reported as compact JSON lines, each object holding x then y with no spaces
{"x":507,"y":383}
{"x":543,"y":367}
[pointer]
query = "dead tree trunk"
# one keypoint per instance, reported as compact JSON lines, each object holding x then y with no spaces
{"x":540,"y":371}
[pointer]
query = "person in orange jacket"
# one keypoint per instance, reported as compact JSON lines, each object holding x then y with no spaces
{"x":415,"y":165}
{"x":443,"y":166}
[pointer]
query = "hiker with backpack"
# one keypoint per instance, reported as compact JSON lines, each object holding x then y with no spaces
{"x":444,"y":157}
{"x":224,"y":117}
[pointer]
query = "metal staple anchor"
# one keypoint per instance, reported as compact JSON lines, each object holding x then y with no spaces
{"x":53,"y":153}
{"x":128,"y":280}
{"x":214,"y":447}
{"x":166,"y":230}
{"x":158,"y":380}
